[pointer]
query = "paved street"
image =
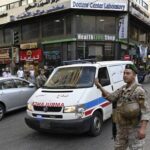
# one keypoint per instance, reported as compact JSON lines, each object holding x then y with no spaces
{"x":15,"y":135}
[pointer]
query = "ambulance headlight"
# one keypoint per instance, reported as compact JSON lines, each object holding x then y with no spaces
{"x":70,"y":109}
{"x":80,"y":112}
{"x":29,"y":107}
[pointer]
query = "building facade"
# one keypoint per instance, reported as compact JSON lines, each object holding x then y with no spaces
{"x":52,"y":31}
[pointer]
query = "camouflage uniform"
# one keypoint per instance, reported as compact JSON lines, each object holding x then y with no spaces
{"x":127,"y":133}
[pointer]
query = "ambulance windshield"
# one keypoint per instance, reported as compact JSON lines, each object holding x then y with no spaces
{"x":72,"y":77}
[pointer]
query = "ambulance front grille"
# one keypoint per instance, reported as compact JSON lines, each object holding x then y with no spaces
{"x":48,"y":116}
{"x":47,"y":109}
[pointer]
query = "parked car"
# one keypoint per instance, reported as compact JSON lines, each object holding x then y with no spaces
{"x":14,"y":94}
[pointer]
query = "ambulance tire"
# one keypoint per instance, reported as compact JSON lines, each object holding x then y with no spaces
{"x":96,"y":124}
{"x":2,"y":110}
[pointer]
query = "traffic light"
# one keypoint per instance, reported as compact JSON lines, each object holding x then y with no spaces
{"x":15,"y":38}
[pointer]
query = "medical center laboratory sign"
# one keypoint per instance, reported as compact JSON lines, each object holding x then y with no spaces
{"x":99,"y":5}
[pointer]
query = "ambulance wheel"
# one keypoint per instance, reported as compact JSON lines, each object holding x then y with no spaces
{"x":96,"y":124}
{"x":2,"y":110}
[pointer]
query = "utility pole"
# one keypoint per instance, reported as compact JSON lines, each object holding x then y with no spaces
{"x":128,"y":30}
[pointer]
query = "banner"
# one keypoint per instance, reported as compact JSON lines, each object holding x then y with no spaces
{"x":123,"y":27}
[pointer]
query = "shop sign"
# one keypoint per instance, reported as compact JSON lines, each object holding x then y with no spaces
{"x":96,"y":37}
{"x":28,"y":46}
{"x":37,"y":12}
{"x":40,"y":4}
{"x":123,"y":27}
{"x":99,"y":5}
{"x":4,"y":56}
{"x":31,"y":55}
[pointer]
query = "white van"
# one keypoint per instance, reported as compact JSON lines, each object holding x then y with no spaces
{"x":71,"y":102}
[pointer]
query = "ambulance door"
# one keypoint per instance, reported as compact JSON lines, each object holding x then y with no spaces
{"x":104,"y":79}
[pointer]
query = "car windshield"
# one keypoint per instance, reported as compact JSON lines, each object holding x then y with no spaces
{"x":72,"y":77}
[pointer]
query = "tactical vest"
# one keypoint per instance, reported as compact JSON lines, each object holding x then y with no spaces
{"x":127,"y":113}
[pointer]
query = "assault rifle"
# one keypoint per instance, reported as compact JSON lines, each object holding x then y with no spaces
{"x":114,"y":128}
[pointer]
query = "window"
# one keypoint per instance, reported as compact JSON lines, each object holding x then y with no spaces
{"x":105,"y":25}
{"x":14,"y":5}
{"x":31,"y":1}
{"x":3,"y":8}
{"x":8,"y":84}
{"x":20,"y":83}
{"x":103,"y":76}
{"x":30,"y":31}
{"x":24,"y":2}
{"x":85,"y":24}
{"x":8,"y":35}
{"x":52,"y":27}
{"x":1,"y":36}
{"x":95,"y":24}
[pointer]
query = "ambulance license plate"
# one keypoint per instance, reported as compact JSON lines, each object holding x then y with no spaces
{"x":45,"y":125}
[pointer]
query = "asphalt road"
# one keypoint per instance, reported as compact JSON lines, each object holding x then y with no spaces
{"x":15,"y":135}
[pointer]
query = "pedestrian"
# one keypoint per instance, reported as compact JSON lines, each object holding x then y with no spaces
{"x":7,"y":73}
{"x":20,"y":73}
{"x":132,"y":112}
{"x":32,"y":74}
{"x":47,"y":72}
{"x":3,"y":72}
{"x":41,"y":78}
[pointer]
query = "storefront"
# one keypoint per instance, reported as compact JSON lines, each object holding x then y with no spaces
{"x":9,"y":57}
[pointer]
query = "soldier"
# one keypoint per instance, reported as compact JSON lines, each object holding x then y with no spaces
{"x":132,"y":112}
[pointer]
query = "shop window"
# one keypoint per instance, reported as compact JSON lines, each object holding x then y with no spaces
{"x":96,"y":52}
{"x":134,"y":33}
{"x":82,"y":50}
{"x":30,"y":31}
{"x":52,"y":55}
{"x":103,"y":76}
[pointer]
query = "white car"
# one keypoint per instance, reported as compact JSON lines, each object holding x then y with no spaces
{"x":14,"y":93}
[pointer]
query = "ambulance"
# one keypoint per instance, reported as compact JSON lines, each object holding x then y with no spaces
{"x":70,"y":101}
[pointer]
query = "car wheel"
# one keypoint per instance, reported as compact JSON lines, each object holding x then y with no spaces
{"x":96,"y":124}
{"x":2,"y":110}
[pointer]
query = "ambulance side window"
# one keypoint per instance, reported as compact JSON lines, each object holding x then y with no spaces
{"x":103,"y":76}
